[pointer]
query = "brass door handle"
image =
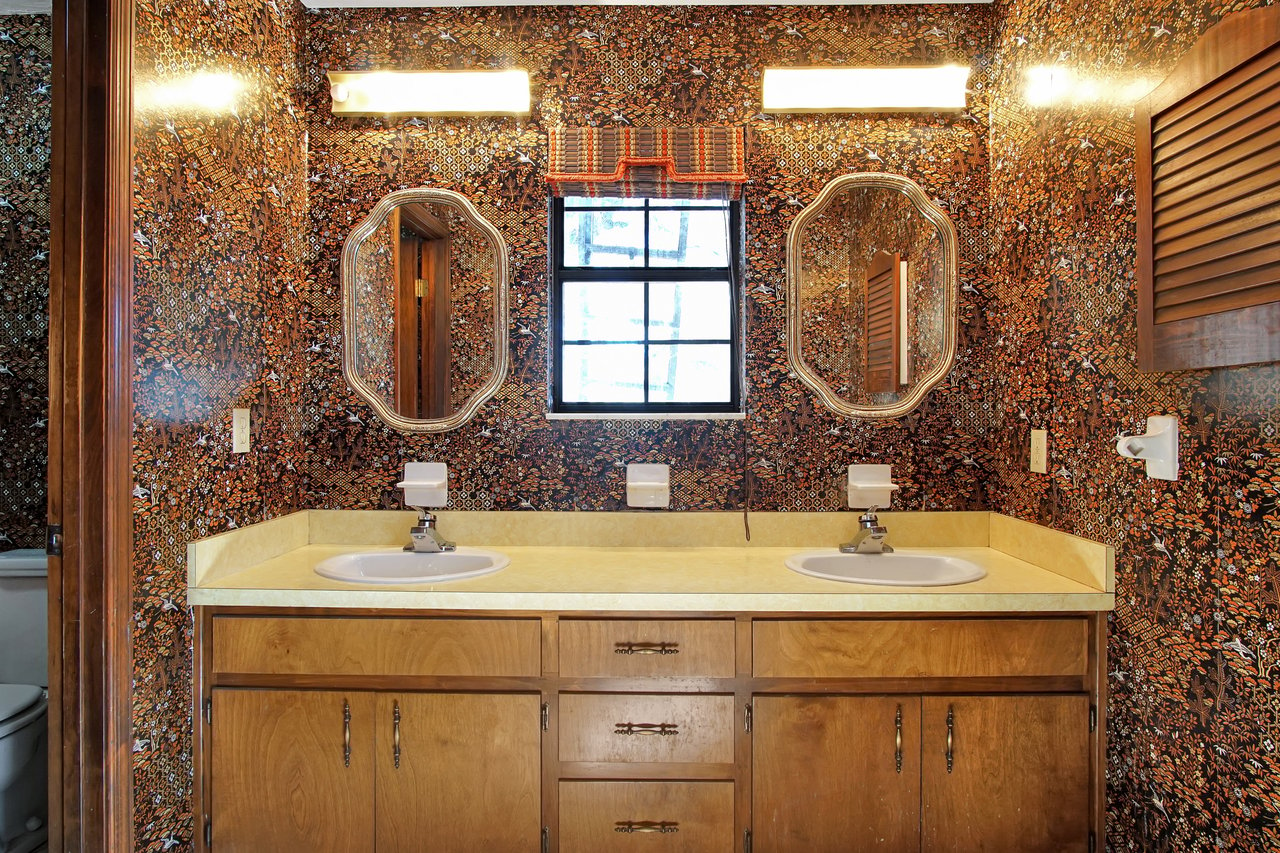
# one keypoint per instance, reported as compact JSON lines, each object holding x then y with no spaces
{"x":395,"y":734}
{"x":663,"y":648}
{"x":951,"y":729}
{"x":346,"y":733}
{"x":663,"y":826}
{"x":663,"y":729}
{"x":897,"y":741}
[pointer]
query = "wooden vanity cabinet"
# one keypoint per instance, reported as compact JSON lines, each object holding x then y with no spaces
{"x":566,"y":733}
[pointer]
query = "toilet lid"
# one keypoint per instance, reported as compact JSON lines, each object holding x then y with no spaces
{"x":16,"y":698}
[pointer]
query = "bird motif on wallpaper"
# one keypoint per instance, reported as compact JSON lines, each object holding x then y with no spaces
{"x":588,"y":35}
{"x":1239,"y":648}
{"x":445,"y":35}
{"x":4,"y":36}
{"x":936,"y":32}
{"x":1159,"y":30}
{"x":696,"y":71}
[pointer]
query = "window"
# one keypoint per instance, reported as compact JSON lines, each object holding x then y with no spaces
{"x":645,"y":305}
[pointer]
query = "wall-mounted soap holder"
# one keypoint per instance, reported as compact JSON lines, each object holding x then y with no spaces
{"x":648,"y":485}
{"x":871,"y":485}
{"x":1158,"y":447}
{"x":425,"y":484}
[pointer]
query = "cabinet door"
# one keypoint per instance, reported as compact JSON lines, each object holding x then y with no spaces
{"x":283,"y":776}
{"x":468,"y":772}
{"x":1018,"y":776}
{"x":831,"y":774}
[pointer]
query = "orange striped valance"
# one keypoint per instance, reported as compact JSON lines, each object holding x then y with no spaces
{"x":648,"y":162}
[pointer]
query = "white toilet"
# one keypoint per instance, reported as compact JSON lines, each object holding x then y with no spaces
{"x":24,"y":675}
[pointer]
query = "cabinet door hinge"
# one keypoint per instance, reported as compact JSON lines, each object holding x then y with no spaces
{"x":746,"y":841}
{"x":1093,"y":718}
{"x":53,"y":540}
{"x":208,"y":831}
{"x":746,"y":720}
{"x":1093,"y":842}
{"x":546,"y":836}
{"x":208,"y":711}
{"x":546,"y":716}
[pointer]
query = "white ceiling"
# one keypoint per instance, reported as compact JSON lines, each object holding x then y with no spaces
{"x":393,"y":4}
{"x":26,"y":7}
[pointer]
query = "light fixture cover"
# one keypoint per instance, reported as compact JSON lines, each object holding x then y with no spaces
{"x":835,"y":90}
{"x":453,"y":93}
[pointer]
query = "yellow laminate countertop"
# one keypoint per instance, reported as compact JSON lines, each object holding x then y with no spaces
{"x":1029,"y":568}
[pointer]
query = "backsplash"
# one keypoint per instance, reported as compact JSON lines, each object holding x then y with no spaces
{"x":1194,"y":708}
{"x":26,"y":70}
{"x":657,"y":66}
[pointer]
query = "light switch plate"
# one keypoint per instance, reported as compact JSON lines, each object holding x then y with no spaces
{"x":1040,"y":451}
{"x":239,"y":430}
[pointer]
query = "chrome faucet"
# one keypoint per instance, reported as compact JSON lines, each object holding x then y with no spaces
{"x":426,"y":538}
{"x":870,"y":538}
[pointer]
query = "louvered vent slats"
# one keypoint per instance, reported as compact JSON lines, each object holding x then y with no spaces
{"x":882,"y":324}
{"x":1209,"y":202}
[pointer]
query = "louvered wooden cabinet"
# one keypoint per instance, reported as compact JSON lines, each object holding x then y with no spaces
{"x":674,"y":733}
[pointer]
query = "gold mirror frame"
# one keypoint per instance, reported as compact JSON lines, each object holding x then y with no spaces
{"x":501,"y":356}
{"x":795,"y":349}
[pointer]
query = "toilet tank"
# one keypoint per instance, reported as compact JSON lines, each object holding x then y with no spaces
{"x":24,"y":617}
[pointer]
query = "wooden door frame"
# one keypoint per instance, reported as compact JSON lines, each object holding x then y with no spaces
{"x":90,"y":443}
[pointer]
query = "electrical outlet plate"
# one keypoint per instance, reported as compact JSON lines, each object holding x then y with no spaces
{"x":239,"y":430}
{"x":1040,"y":451}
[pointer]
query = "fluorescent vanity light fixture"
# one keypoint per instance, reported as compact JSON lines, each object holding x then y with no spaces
{"x":453,"y":93}
{"x":843,"y":90}
{"x":206,"y":92}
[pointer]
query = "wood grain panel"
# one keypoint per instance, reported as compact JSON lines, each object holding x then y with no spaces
{"x":920,"y":648}
{"x":1019,"y":778}
{"x":280,"y":778}
{"x":377,"y":646}
{"x":825,"y":775}
{"x":695,"y":729}
{"x":1201,"y":168}
{"x":468,"y":775}
{"x":882,"y":324}
{"x":696,"y":647}
{"x":698,"y":816}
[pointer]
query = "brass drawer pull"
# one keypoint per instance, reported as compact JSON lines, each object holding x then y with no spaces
{"x":395,"y":724}
{"x":664,"y":729}
{"x":346,"y":733}
{"x":647,"y":826}
{"x":897,"y":743}
{"x":951,"y":730}
{"x":664,"y":648}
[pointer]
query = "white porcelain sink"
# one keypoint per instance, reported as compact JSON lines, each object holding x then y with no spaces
{"x":897,"y":569}
{"x":397,"y":566}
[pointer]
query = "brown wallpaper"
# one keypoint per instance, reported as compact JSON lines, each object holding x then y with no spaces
{"x":26,"y":69}
{"x":219,"y":307}
{"x":659,"y":66}
{"x":1194,"y":709}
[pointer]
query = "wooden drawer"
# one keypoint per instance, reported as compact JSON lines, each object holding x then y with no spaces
{"x":920,"y":648}
{"x":697,"y":817}
{"x":376,"y":646}
{"x":626,"y":648}
{"x":600,"y":727}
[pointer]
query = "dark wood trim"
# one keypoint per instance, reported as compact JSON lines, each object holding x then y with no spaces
{"x":90,"y":410}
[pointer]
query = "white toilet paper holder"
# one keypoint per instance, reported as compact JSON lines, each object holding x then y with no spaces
{"x":1158,"y":447}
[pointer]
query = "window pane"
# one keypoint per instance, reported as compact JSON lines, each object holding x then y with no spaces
{"x":688,"y":238}
{"x":603,"y":311}
{"x":604,"y":373}
{"x":685,"y":310}
{"x":690,"y":202}
{"x":689,"y":373}
{"x":571,"y":202}
{"x":604,"y":238}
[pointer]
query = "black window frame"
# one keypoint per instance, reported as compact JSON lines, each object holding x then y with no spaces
{"x":559,"y":274}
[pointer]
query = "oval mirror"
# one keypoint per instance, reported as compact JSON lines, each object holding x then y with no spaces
{"x":424,"y":287}
{"x":871,"y":295}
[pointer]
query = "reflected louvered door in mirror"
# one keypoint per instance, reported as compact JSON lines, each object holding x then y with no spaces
{"x":1208,"y":147}
{"x":882,"y":323}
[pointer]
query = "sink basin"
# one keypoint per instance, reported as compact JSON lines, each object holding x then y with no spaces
{"x":897,"y":569}
{"x":408,"y":567}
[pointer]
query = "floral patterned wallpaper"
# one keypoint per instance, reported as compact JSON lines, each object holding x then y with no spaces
{"x":26,"y":71}
{"x":1194,"y":709}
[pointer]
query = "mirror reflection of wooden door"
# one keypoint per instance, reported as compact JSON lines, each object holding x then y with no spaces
{"x":423,"y":388}
{"x":883,"y":323}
